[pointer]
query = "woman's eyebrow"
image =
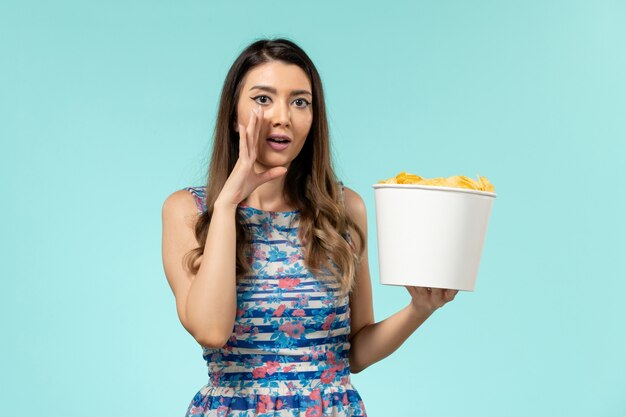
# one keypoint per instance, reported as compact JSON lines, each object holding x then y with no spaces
{"x":273,"y":90}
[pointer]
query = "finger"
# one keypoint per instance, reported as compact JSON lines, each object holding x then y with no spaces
{"x":437,"y":293}
{"x":450,"y":294}
{"x":270,"y":174}
{"x":252,"y":140}
{"x":423,"y":291}
{"x":250,"y":132}
{"x":259,"y":125}
{"x":243,"y":147}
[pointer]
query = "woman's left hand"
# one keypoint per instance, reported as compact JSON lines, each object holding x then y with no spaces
{"x":430,"y":299}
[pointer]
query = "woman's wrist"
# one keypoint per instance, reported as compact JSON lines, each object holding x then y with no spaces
{"x":420,"y":312}
{"x":222,"y":205}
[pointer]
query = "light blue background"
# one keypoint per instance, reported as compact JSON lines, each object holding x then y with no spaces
{"x":108,"y":107}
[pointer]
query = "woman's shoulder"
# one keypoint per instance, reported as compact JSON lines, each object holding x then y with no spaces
{"x":186,"y":201}
{"x":355,"y":206}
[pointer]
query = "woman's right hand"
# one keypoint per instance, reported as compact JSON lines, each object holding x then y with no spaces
{"x":243,"y":180}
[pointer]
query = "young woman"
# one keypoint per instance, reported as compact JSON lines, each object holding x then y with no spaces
{"x":268,"y":262}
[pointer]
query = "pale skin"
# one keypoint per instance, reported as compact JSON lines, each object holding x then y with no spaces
{"x":206,"y":304}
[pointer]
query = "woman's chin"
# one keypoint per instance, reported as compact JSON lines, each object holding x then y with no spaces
{"x":265,"y":164}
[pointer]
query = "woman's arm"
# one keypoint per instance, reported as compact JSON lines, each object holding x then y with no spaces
{"x":206,"y":302}
{"x":371,"y":341}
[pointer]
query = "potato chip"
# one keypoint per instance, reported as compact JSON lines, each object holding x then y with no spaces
{"x":456,"y":181}
{"x":486,"y":185}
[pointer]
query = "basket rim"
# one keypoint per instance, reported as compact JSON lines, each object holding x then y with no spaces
{"x":435,"y":188}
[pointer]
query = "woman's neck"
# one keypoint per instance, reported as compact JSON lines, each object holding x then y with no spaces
{"x":269,"y":196}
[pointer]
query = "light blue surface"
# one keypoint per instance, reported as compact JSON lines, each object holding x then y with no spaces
{"x":107,"y":108}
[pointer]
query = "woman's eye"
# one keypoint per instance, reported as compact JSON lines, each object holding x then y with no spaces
{"x":303,"y":101}
{"x":258,"y":97}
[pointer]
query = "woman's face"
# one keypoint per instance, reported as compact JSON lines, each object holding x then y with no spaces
{"x":284,"y":93}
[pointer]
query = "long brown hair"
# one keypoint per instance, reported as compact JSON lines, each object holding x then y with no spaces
{"x":310,"y":182}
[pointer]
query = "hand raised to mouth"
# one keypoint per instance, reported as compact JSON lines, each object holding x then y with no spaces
{"x":243,"y":180}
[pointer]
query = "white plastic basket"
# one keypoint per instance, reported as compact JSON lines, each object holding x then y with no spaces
{"x":430,"y":236}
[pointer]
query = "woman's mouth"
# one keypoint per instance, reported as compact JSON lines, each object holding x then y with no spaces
{"x":278,"y":144}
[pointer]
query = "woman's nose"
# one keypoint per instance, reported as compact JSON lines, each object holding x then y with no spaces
{"x":280,"y":114}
